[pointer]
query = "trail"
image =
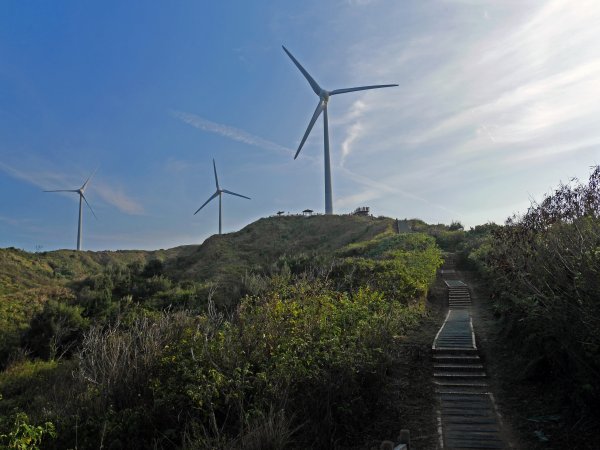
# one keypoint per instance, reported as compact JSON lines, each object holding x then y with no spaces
{"x":466,"y":410}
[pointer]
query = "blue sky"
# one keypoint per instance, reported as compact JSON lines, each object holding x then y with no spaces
{"x":498,"y":102}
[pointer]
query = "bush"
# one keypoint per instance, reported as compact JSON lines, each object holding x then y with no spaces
{"x":545,"y":272}
{"x":403,"y":266}
{"x":55,"y":331}
{"x":119,"y":361}
{"x":304,"y":346}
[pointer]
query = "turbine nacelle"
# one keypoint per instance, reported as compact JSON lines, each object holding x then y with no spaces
{"x":324,"y":95}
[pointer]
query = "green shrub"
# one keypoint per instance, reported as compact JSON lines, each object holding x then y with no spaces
{"x":23,"y":435}
{"x":303,"y":345}
{"x":55,"y":331}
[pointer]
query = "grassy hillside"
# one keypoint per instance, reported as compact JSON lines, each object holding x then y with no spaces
{"x":29,"y":280}
{"x":133,"y":349}
{"x":22,"y":270}
{"x":218,"y":258}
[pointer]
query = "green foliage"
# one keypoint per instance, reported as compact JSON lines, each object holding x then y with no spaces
{"x":302,"y":344}
{"x":476,"y":245}
{"x":16,"y":432}
{"x":456,"y":226}
{"x":24,"y":435}
{"x":402,"y":265}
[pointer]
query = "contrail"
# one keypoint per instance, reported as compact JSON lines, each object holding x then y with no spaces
{"x":230,"y":132}
{"x":387,"y":188}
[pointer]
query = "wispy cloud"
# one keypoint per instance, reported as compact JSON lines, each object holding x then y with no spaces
{"x":353,"y":131}
{"x":116,"y":196}
{"x":475,"y":102}
{"x":229,"y":132}
{"x":50,"y":179}
{"x":528,"y":110}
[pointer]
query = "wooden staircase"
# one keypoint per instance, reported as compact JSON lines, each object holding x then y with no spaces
{"x":466,"y":412}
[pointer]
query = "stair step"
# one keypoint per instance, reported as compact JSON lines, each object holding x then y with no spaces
{"x":455,"y":351}
{"x":460,"y":383}
{"x":461,"y":367}
{"x":455,"y":358}
{"x":469,"y":406}
{"x":458,"y":390}
{"x":446,"y":374}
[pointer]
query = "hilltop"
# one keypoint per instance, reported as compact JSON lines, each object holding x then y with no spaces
{"x":218,"y":259}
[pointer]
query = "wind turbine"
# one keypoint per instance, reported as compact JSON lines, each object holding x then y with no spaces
{"x":80,"y":191}
{"x":322,"y":108}
{"x":218,"y":193}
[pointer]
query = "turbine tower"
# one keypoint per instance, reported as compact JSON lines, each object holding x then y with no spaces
{"x":322,"y":108}
{"x":218,"y":193}
{"x":80,"y":191}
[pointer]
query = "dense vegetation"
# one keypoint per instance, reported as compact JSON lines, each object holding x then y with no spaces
{"x":543,"y":270}
{"x":286,"y":345}
{"x":224,"y":266}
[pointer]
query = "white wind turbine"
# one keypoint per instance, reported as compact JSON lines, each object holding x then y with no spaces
{"x":80,"y":191}
{"x":322,"y":108}
{"x":219,"y":193}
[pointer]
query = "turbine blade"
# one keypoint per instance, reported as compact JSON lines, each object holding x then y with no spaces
{"x":360,"y":88}
{"x":216,"y":178}
{"x":313,"y":84}
{"x":316,"y":114}
{"x":64,"y":190}
{"x":88,"y":180}
{"x":206,"y":202}
{"x":233,"y":193}
{"x":86,"y":202}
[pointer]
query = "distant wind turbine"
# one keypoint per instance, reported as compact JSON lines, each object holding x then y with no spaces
{"x":218,"y":194}
{"x":322,"y":108}
{"x":80,"y":191}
